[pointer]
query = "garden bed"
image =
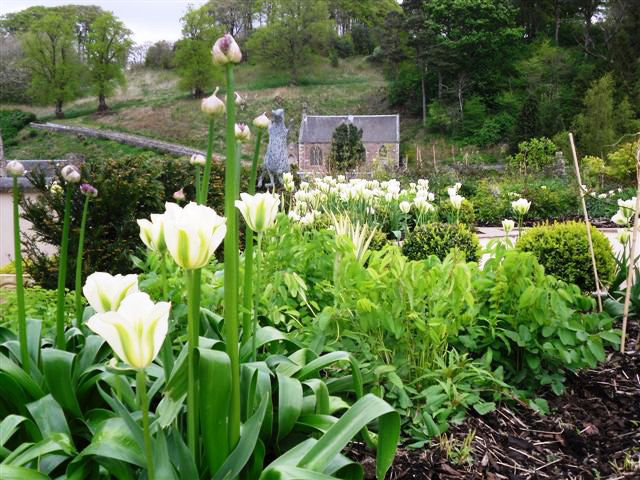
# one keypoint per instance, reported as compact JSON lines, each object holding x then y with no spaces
{"x":592,"y":432}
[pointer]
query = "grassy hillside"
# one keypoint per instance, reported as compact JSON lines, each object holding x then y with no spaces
{"x":152,"y":105}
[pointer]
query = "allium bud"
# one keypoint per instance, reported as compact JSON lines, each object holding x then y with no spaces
{"x":243,"y":134}
{"x":70,"y":174}
{"x":15,"y":168}
{"x":213,"y":105}
{"x":197,"y":159}
{"x":55,"y":188}
{"x":226,"y":50}
{"x":261,"y":121}
{"x":239,"y":100}
{"x":89,"y":190}
{"x":179,"y":195}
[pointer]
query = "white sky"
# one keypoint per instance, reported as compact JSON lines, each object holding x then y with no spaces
{"x":149,"y":20}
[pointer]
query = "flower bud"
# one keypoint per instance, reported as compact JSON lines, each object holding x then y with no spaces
{"x":179,"y":195}
{"x":287,"y":180}
{"x":226,"y":50}
{"x":15,"y":168}
{"x":259,"y":211}
{"x":197,"y":159}
{"x":261,"y":121}
{"x":89,"y":190}
{"x":405,"y":207}
{"x":623,"y":236}
{"x":239,"y":100}
{"x":243,"y":134}
{"x":507,"y":226}
{"x":56,"y":189}
{"x":521,"y":206}
{"x":456,"y":201}
{"x":70,"y":174}
{"x":213,"y":105}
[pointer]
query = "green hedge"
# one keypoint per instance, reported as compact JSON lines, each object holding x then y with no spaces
{"x":439,"y":239}
{"x":12,"y":121}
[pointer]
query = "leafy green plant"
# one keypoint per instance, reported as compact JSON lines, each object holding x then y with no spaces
{"x":438,"y":239}
{"x":12,"y":121}
{"x":533,"y":155}
{"x":466,"y":216}
{"x":40,"y":303}
{"x":562,"y":249}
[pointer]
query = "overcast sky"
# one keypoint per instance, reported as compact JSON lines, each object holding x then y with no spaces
{"x":149,"y":20}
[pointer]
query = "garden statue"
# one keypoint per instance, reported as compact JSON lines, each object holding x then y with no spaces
{"x":276,"y":160}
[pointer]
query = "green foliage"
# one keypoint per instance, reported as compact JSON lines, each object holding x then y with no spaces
{"x":363,"y":41}
{"x":39,"y":302}
{"x":439,"y":239}
{"x":595,"y":125}
{"x":621,"y":164}
{"x":108,"y":45}
{"x":378,"y":241}
{"x":342,"y":45}
{"x":533,"y":155}
{"x":296,"y":31}
{"x":347,"y":150}
{"x":160,"y":55}
{"x":593,"y":169}
{"x":12,"y":121}
{"x":562,"y":249}
{"x":466,"y":215}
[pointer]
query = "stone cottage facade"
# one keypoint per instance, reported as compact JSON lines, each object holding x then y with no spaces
{"x":380,"y":136}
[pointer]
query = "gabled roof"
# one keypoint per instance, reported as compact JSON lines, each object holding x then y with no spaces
{"x":375,"y":128}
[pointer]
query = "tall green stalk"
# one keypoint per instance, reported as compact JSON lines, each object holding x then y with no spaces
{"x":193,"y":318}
{"x":22,"y":320}
{"x":198,"y":184}
{"x":78,"y":290}
{"x":166,"y":352}
{"x":204,"y":190}
{"x":62,"y":269}
{"x":141,"y":388}
{"x":247,"y":291}
{"x":255,"y":304}
{"x":231,"y":261}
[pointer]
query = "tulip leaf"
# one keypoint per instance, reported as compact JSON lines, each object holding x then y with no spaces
{"x":57,"y":366}
{"x":21,"y":377}
{"x":55,"y":443}
{"x":161,"y":460}
{"x":120,"y":409}
{"x":317,"y":422}
{"x":48,"y":416}
{"x":181,"y":456}
{"x":321,"y":392}
{"x":9,"y":426}
{"x":34,"y":331}
{"x":289,"y":404}
{"x":215,"y":395}
{"x":113,"y":440}
{"x":19,"y":473}
{"x":241,"y":454}
{"x":264,"y":336}
{"x":87,"y":357}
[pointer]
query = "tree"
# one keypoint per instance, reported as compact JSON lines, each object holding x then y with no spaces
{"x":52,"y":60}
{"x":193,"y":51}
{"x":107,"y":46}
{"x":14,"y":77}
{"x":160,"y":55}
{"x":297,"y":29}
{"x":595,"y":125}
{"x":347,"y":150}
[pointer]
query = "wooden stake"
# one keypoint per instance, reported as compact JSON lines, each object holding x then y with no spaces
{"x":435,"y":165}
{"x":632,"y":254}
{"x":587,"y":222}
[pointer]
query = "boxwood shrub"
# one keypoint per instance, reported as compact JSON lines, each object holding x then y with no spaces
{"x":563,"y":250}
{"x":446,"y":212}
{"x":439,"y":239}
{"x":12,"y":121}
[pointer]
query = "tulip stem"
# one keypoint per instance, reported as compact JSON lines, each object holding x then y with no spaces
{"x":247,"y":291}
{"x":141,"y":388}
{"x":204,"y":191}
{"x":78,"y":290}
{"x":22,"y":321}
{"x":62,"y":269}
{"x":255,"y":303}
{"x":198,"y":184}
{"x":193,"y":299}
{"x":231,"y":261}
{"x":166,"y":351}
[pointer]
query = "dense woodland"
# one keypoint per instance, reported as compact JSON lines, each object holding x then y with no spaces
{"x":481,"y":72}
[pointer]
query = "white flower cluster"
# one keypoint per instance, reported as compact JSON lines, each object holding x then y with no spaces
{"x":625,"y":212}
{"x":603,"y":195}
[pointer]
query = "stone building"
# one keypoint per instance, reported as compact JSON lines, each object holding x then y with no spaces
{"x":380,"y":136}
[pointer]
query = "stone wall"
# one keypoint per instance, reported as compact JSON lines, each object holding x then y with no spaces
{"x":307,"y":151}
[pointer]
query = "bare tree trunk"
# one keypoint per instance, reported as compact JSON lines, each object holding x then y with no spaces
{"x":198,"y":92}
{"x":424,"y":97}
{"x":460,"y":98}
{"x":439,"y":84}
{"x":102,"y":103}
{"x":556,"y":12}
{"x":59,"y":112}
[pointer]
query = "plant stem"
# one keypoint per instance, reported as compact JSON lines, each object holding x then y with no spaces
{"x":198,"y":185}
{"x":204,"y":191}
{"x":166,"y":352}
{"x":78,"y":290}
{"x":247,"y":291}
{"x":231,"y":262}
{"x":62,"y":269}
{"x":22,"y":321}
{"x":193,"y":299}
{"x":141,"y":388}
{"x":255,"y":303}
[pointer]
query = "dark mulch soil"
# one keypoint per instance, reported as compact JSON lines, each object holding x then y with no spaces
{"x":592,"y":430}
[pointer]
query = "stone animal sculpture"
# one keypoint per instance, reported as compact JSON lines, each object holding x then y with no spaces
{"x":276,"y":160}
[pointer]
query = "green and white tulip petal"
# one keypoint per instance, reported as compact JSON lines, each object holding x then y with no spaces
{"x":105,"y":292}
{"x":152,"y":232}
{"x":259,"y":210}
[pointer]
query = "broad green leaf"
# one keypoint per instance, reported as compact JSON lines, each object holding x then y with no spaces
{"x":215,"y":395}
{"x":181,"y":456}
{"x":264,"y":336}
{"x":34,"y":330}
{"x":21,"y":377}
{"x":113,"y":440}
{"x":321,"y":392}
{"x":161,"y":460}
{"x":9,"y":426}
{"x":484,"y":407}
{"x":317,"y":422}
{"x":19,"y":473}
{"x":289,"y":404}
{"x":124,"y":414}
{"x":48,"y":416}
{"x":56,"y":442}
{"x":57,"y":366}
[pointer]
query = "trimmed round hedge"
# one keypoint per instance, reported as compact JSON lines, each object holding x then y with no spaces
{"x":446,"y":212}
{"x":563,"y":250}
{"x":438,"y":239}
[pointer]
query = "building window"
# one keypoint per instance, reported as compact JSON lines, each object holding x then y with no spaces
{"x":316,"y":155}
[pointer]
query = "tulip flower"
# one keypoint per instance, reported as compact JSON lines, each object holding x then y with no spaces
{"x":507,"y":226}
{"x":243,"y":134}
{"x":405,"y":207}
{"x":261,"y":121}
{"x":624,"y":234}
{"x":192,"y":234}
{"x":70,"y":174}
{"x":521,"y":206}
{"x":152,"y":232}
{"x":456,"y":201}
{"x":287,"y":181}
{"x":213,"y":105}
{"x":620,"y":218}
{"x":226,"y":50}
{"x":105,"y":292}
{"x":88,"y":190}
{"x":259,"y":210}
{"x":15,"y":169}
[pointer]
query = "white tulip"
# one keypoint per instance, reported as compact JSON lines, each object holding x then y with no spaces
{"x":105,"y":292}
{"x":226,"y":50}
{"x":152,"y":232}
{"x":259,"y":210}
{"x":213,"y":105}
{"x":627,"y":206}
{"x":287,"y":181}
{"x":620,"y":218}
{"x":521,"y":206}
{"x":507,"y":226}
{"x":15,"y":168}
{"x":70,"y":173}
{"x":624,"y":234}
{"x":136,"y":330}
{"x":456,"y":201}
{"x":192,"y":233}
{"x":405,"y":207}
